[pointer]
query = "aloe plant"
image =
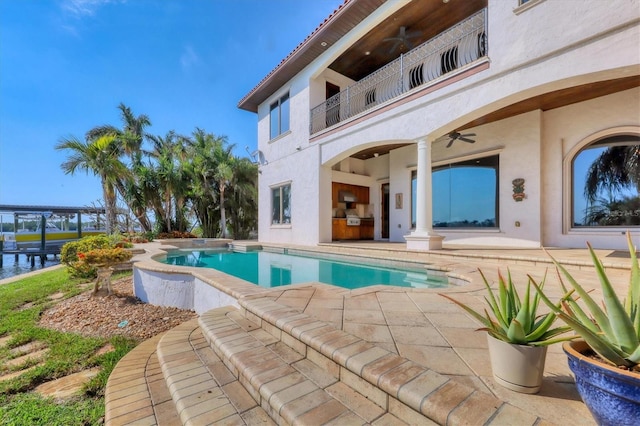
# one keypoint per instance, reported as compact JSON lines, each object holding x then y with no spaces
{"x":613,"y":332}
{"x":515,"y":320}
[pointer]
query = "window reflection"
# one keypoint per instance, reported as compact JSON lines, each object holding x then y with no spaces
{"x":606,"y":181}
{"x":465,"y":194}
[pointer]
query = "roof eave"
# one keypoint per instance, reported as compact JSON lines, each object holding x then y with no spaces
{"x":307,"y":51}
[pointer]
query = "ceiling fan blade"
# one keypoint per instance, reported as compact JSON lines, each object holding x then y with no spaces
{"x":450,"y":142}
{"x":462,"y":138}
{"x":395,"y":46}
{"x":468,"y":134}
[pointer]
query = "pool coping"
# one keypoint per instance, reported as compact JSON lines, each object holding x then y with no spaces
{"x":198,"y":283}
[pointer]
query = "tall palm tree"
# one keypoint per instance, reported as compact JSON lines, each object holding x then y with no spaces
{"x":102,"y":157}
{"x":168,"y":164}
{"x":129,"y":140}
{"x":243,"y":199}
{"x":203,"y":192}
{"x":225,"y":163}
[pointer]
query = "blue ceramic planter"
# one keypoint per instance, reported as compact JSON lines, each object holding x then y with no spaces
{"x":612,"y":395}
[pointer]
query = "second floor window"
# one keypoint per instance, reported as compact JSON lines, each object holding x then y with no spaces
{"x":279,"y":116}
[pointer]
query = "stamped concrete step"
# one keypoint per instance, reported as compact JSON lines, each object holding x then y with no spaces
{"x":402,"y":390}
{"x":202,"y":389}
{"x":290,"y":386}
{"x":136,"y":394}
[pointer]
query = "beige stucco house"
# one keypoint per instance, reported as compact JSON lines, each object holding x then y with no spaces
{"x":473,"y":122}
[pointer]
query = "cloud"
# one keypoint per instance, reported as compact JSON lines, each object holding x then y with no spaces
{"x":83,"y":8}
{"x":189,"y":58}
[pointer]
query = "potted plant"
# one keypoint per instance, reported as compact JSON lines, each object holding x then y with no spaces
{"x":605,"y":362}
{"x":517,"y":336}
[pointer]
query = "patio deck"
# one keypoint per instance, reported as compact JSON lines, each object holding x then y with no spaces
{"x":416,"y":328}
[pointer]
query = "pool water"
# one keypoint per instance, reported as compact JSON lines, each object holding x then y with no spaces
{"x":268,"y":269}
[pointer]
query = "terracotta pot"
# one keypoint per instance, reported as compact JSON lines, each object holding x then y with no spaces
{"x":517,"y":367}
{"x":611,"y":394}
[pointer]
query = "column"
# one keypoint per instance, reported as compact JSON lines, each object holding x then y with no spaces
{"x":424,"y":237}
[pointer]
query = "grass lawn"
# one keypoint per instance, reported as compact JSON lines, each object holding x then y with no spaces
{"x":21,"y":304}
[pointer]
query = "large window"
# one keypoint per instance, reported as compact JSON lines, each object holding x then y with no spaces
{"x":465,"y":194}
{"x":281,"y":205}
{"x":606,"y":180}
{"x":279,"y":116}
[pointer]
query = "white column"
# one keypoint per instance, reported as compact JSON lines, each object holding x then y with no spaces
{"x":423,"y":237}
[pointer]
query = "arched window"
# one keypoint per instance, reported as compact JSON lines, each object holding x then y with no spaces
{"x":606,"y":183}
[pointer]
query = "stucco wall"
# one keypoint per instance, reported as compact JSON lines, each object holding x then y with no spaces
{"x":564,"y":131}
{"x":537,"y":51}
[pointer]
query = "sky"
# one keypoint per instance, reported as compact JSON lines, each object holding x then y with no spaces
{"x":66,"y":65}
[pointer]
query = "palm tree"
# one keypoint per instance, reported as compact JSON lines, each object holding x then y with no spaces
{"x":102,"y":157}
{"x":129,"y":140}
{"x":169,"y":160}
{"x":225,"y":163}
{"x":203,"y":193}
{"x":243,"y":199}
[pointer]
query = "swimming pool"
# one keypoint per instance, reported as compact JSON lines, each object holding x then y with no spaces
{"x":268,"y":269}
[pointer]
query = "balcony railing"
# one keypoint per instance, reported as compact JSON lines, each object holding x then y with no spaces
{"x":456,"y":47}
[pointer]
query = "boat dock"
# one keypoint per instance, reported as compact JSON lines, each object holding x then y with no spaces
{"x":41,"y":237}
{"x":30,"y":253}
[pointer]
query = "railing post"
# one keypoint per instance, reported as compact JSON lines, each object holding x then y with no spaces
{"x":348,"y":100}
{"x":485,"y":29}
{"x":402,"y":73}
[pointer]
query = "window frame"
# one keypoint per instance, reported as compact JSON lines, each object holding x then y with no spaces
{"x":281,"y":217}
{"x":608,"y":141}
{"x":277,"y":105}
{"x":452,"y":165}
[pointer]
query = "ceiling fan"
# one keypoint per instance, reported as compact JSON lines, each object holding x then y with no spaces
{"x":403,"y":39}
{"x":456,"y":136}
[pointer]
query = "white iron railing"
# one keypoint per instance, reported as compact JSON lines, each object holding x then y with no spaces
{"x":456,"y":47}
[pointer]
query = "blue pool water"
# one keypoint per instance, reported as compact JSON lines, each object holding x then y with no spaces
{"x":274,"y":269}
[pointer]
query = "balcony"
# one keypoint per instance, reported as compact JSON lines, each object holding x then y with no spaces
{"x":430,"y":62}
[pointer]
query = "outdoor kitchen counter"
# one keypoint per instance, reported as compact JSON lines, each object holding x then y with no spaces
{"x":342,"y":231}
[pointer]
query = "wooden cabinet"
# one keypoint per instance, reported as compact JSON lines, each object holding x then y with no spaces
{"x":340,"y":230}
{"x":366,"y":229}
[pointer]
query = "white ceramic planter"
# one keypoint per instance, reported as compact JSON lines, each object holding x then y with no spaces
{"x":517,"y":367}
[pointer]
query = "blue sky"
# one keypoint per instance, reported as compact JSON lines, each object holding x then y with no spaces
{"x":65,"y":65}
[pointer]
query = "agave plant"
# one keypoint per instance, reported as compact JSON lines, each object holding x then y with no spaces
{"x":613,"y":332}
{"x":515,"y":320}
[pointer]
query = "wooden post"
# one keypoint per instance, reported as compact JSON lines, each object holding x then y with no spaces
{"x":43,"y":232}
{"x":79,"y":225}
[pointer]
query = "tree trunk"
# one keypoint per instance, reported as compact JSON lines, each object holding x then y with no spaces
{"x":223,"y":218}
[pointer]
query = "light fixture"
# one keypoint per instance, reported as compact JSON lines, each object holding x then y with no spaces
{"x":323,"y":44}
{"x":375,"y":154}
{"x":367,"y":53}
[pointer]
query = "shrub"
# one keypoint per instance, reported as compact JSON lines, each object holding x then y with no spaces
{"x":105,"y":256}
{"x":119,"y":240}
{"x":175,"y":234}
{"x":70,"y":251}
